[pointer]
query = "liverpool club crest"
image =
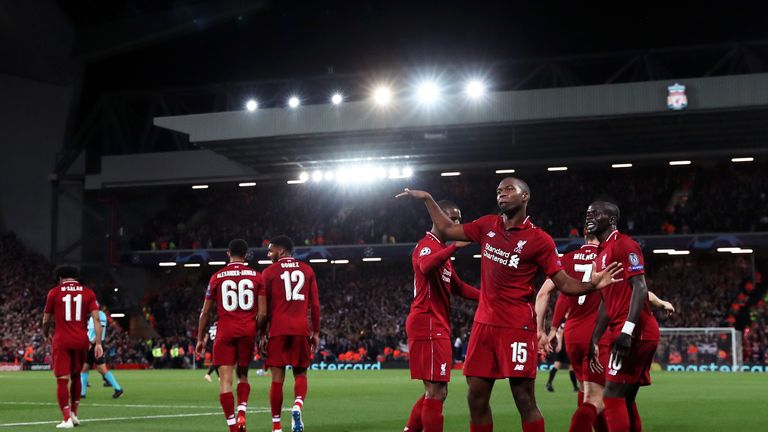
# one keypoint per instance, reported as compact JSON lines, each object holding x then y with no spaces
{"x":677,"y":99}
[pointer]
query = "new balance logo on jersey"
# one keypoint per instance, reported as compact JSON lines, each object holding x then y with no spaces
{"x":519,"y":367}
{"x":520,"y":244}
{"x":491,"y":234}
{"x":442,"y":369}
{"x":514,"y":261}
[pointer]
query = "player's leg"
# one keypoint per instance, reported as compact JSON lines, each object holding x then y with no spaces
{"x":62,"y":365}
{"x":524,"y":392}
{"x":78,"y":361}
{"x":479,"y":401}
{"x":614,"y":398}
{"x":589,"y":413}
{"x":432,"y":411}
{"x":245,"y":346}
{"x":226,"y":398}
{"x":635,"y":423}
{"x":84,"y":378}
{"x":552,"y":372}
{"x":300,"y":394}
{"x":417,"y":369}
{"x":276,"y":395}
{"x":101,"y":366}
{"x":574,"y":381}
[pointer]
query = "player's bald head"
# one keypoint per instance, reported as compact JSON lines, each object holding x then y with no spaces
{"x":520,"y":184}
{"x":446,"y":205}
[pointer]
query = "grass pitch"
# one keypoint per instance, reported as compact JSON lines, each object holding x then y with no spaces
{"x":175,"y":400}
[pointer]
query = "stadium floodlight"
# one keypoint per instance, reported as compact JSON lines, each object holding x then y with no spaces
{"x":728,"y":249}
{"x":318,"y":260}
{"x":372,"y":259}
{"x":317,"y":176}
{"x":474,"y":89}
{"x":251,"y":105}
{"x":743,"y":251}
{"x":116,"y":290}
{"x":407,"y":172}
{"x":294,"y":102}
{"x":295,"y":182}
{"x":167,"y":264}
{"x":265,"y":262}
{"x":382,"y":95}
{"x":329,"y":175}
{"x":680,"y":162}
{"x":394,"y":173}
{"x":505,"y":171}
{"x":621,"y":165}
{"x":663,"y":251}
{"x":117,"y":315}
{"x":304,"y":176}
{"x":742,"y":159}
{"x":340,"y":262}
{"x":199,"y":186}
{"x":428,"y":92}
{"x":216,"y":263}
{"x":380,"y":172}
{"x":247,"y":184}
{"x":450,"y":174}
{"x":337,"y":98}
{"x":453,"y":258}
{"x":679,"y":252}
{"x":192,"y":265}
{"x":558,"y":168}
{"x":476,"y":256}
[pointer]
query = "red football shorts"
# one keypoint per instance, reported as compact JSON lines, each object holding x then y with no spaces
{"x":579,"y":355}
{"x":501,"y":352}
{"x":288,"y":350}
{"x":635,"y":367}
{"x":430,"y":359}
{"x":228,"y":351}
{"x":68,"y":361}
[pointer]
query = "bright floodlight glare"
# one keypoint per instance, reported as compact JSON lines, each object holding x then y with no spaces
{"x":428,"y":92}
{"x":407,"y":172}
{"x":294,"y":102}
{"x":304,"y":176}
{"x":680,"y":162}
{"x":475,"y":89}
{"x":742,"y":159}
{"x":382,"y":95}
{"x":380,"y":172}
{"x":394,"y":173}
{"x":505,"y":171}
{"x":251,"y":105}
{"x":337,"y":98}
{"x":317,"y":176}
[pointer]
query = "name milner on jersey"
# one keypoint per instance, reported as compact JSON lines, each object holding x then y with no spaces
{"x":585,"y":257}
{"x":233,"y":273}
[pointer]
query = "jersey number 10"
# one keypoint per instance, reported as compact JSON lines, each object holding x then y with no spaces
{"x":293,"y":292}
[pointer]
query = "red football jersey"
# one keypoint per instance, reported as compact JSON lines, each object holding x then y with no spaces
{"x":510,"y":260}
{"x":234,"y":289}
{"x":71,"y":304}
{"x":582,"y":310}
{"x":433,"y":272}
{"x":621,"y":248}
{"x":291,"y":289}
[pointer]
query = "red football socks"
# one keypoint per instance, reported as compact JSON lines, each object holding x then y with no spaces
{"x":276,"y":403}
{"x":487,"y":427}
{"x":432,"y":415}
{"x":414,"y":421}
{"x":583,"y":418}
{"x":616,"y":415}
{"x":228,"y":405}
{"x":243,"y":391}
{"x":635,"y":424}
{"x":300,"y":390}
{"x":534,"y":426}
{"x":75,"y":387}
{"x":600,"y":424}
{"x":62,"y":396}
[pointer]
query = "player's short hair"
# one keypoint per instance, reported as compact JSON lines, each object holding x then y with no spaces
{"x":612,"y":209}
{"x":447,"y":204}
{"x":66,"y":271}
{"x":282,"y":241}
{"x":521,"y":184}
{"x":238,"y":248}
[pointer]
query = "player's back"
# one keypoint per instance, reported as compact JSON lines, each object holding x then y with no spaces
{"x":70,"y":303}
{"x":582,"y":309}
{"x":234,"y":289}
{"x":291,"y":288}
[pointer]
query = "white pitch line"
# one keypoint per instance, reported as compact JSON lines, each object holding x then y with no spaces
{"x":118,"y":405}
{"x":260,"y":411}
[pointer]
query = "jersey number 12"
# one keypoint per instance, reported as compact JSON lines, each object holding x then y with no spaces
{"x":293,"y":292}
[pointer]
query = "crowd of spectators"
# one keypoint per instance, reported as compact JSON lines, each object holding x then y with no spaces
{"x":669,"y":200}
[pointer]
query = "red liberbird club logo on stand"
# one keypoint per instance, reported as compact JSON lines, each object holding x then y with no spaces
{"x":677,"y":99}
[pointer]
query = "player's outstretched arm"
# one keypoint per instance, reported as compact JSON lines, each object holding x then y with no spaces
{"x":597,"y":333}
{"x":445,"y":226}
{"x":623,"y":342}
{"x":660,"y":304}
{"x":598,"y":280}
{"x":98,"y":350}
{"x":202,"y":323}
{"x":542,"y":301}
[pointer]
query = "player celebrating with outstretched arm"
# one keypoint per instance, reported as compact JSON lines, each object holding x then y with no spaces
{"x":503,"y":339}
{"x":290,"y":291}
{"x":632,"y":329}
{"x":234,"y":290}
{"x":67,"y":306}
{"x":429,"y":322}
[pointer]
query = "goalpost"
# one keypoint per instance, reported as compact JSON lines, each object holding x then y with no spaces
{"x":715,"y":346}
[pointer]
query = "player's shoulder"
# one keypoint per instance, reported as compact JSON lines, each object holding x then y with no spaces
{"x":489,"y":219}
{"x":305,"y":267}
{"x":627,"y":242}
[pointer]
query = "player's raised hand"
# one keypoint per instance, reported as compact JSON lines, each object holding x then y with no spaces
{"x":417,"y":194}
{"x":98,"y":351}
{"x":608,"y":276}
{"x":594,"y":359}
{"x":668,"y":308}
{"x":199,"y":347}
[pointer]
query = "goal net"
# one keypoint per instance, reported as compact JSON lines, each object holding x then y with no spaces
{"x":700,"y":349}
